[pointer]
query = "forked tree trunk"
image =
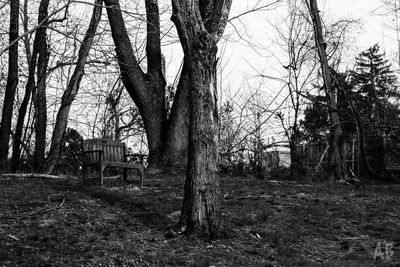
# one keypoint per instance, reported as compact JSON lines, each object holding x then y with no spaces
{"x":176,"y":142}
{"x":200,"y":25}
{"x":335,"y":139}
{"x":11,"y":86}
{"x":167,"y":138}
{"x":147,"y":90}
{"x":72,"y":90}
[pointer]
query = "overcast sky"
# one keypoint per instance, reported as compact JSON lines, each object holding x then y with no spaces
{"x":242,"y":63}
{"x":371,"y":31}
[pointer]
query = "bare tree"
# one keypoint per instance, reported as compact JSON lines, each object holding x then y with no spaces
{"x":147,"y":90}
{"x":339,"y":171}
{"x":11,"y":86}
{"x":37,"y":65}
{"x":392,"y":8}
{"x":72,"y":89}
{"x":200,"y":25}
{"x":39,"y":96}
{"x":300,"y":68}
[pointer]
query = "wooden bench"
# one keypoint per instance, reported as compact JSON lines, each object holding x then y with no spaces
{"x":102,"y":153}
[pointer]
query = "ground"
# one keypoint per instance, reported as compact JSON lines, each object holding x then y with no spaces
{"x":47,"y":222}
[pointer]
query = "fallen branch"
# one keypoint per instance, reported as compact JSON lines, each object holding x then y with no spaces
{"x":151,"y":230}
{"x":30,"y":175}
{"x":251,"y":197}
{"x":42,"y":211}
{"x":14,"y":237}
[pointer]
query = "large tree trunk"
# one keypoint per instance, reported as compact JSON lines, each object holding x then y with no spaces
{"x":167,"y":139}
{"x":200,"y":25}
{"x":176,"y":143}
{"x":147,"y":90}
{"x":201,"y":206}
{"x":11,"y":86}
{"x":72,"y":90}
{"x":339,"y":171}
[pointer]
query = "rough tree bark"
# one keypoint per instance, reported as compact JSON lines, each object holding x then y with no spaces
{"x":339,"y":171}
{"x":38,"y":42}
{"x":11,"y":86}
{"x":176,"y":143}
{"x":72,"y":90}
{"x":200,"y":25}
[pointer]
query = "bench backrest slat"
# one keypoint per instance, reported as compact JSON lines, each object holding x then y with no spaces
{"x":112,"y":150}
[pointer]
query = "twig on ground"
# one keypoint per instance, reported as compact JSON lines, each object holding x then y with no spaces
{"x":42,"y":210}
{"x":30,"y":175}
{"x":14,"y":237}
{"x":150,"y":231}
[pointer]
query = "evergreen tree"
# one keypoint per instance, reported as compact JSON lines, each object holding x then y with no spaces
{"x":368,"y":106}
{"x":374,"y":89}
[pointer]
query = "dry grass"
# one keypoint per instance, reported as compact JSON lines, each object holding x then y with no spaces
{"x":60,"y":223}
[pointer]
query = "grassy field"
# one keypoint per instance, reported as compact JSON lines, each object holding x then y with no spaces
{"x":60,"y":223}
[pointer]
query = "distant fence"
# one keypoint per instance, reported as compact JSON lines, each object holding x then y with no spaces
{"x":382,"y":156}
{"x":314,"y":158}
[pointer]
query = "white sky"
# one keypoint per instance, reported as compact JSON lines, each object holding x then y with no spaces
{"x":372,"y":31}
{"x":242,"y":63}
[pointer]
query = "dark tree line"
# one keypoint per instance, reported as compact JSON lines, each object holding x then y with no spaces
{"x":367,"y":105}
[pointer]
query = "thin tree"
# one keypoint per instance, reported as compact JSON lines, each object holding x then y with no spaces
{"x":11,"y":86}
{"x":338,"y":171}
{"x":200,"y":25}
{"x":300,"y":68}
{"x":39,"y":96}
{"x":72,"y":89}
{"x":32,"y":57}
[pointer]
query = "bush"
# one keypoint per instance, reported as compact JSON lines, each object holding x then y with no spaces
{"x":71,"y":149}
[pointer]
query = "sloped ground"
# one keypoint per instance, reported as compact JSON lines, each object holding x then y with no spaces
{"x":60,"y":223}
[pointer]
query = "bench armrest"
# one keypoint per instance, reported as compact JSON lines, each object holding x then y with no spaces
{"x":136,"y":155}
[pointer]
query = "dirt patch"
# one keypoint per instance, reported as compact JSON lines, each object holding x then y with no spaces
{"x":60,"y":223}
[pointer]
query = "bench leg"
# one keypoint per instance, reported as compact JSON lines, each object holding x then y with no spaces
{"x":101,"y":169}
{"x":84,"y":173}
{"x":141,"y":178}
{"x":125,"y":175}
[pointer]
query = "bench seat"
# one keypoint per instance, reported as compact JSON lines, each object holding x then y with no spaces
{"x":102,"y":153}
